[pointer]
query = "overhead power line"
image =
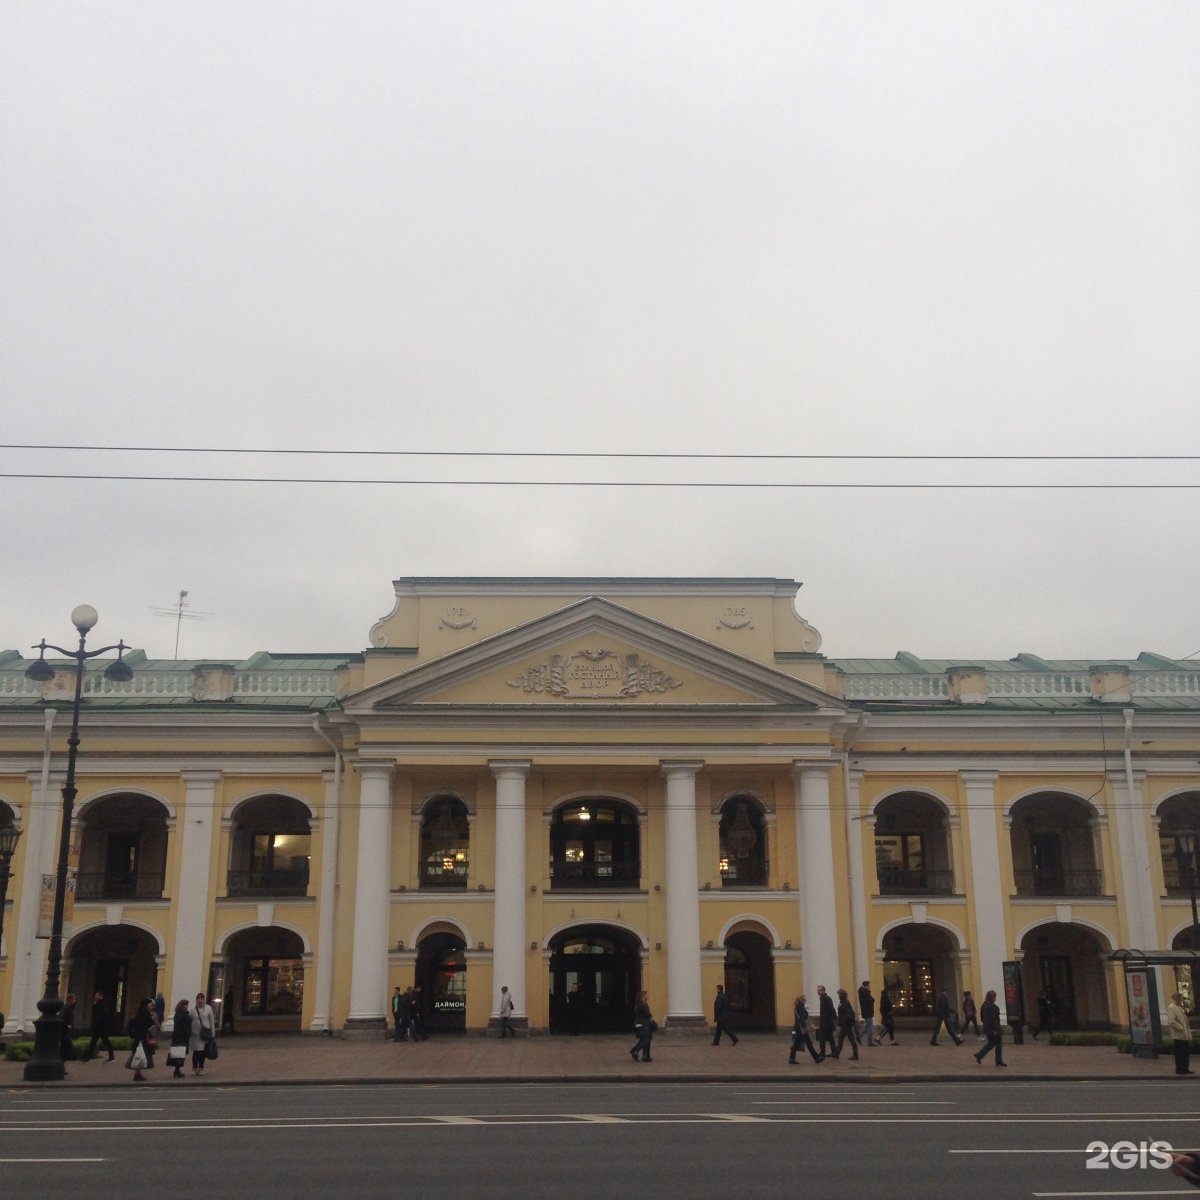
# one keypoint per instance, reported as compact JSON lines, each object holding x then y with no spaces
{"x":608,"y":483}
{"x":614,"y":454}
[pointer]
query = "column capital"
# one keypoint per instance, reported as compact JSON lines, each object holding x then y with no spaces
{"x":375,"y":770}
{"x":979,"y":779}
{"x":689,"y":767}
{"x":200,"y":777}
{"x":801,"y":765}
{"x":510,"y":768}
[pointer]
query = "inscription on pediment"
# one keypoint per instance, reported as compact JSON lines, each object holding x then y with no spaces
{"x":594,"y":675}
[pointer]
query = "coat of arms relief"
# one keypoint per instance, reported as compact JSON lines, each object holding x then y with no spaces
{"x":594,"y":675}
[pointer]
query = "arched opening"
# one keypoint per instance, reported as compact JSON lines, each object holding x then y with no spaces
{"x":1068,"y":963}
{"x":595,"y":972}
{"x":750,"y":980}
{"x":743,"y":838}
{"x":263,"y":980}
{"x":442,"y":978}
{"x":1053,"y":849}
{"x":270,"y":847}
{"x":1179,"y":843}
{"x":445,"y":843}
{"x":1187,"y":975}
{"x":122,"y":849}
{"x":119,"y":962}
{"x":919,"y":961}
{"x":595,"y":844}
{"x":912,"y":847}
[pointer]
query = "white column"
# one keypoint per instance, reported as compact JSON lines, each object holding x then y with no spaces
{"x":190,"y":952}
{"x":372,"y":896}
{"x":327,"y":899}
{"x":26,"y":954}
{"x":508,"y":958}
{"x":1133,"y":853}
{"x":685,"y":1004}
{"x":859,"y":883}
{"x":818,"y":887}
{"x":987,"y":888}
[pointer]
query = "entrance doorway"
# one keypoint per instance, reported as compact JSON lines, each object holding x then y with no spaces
{"x":442,"y":978}
{"x":750,"y":980}
{"x":595,"y":972}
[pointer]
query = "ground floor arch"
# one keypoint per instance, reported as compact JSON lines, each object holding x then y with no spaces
{"x":919,"y":961}
{"x":441,"y":975}
{"x":595,"y":973}
{"x":750,"y":979}
{"x":118,"y":961}
{"x":1068,"y":962}
{"x":258,"y":986}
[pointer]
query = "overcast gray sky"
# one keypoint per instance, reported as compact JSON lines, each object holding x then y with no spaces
{"x":743,"y":228}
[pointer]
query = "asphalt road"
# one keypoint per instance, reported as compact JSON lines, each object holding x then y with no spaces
{"x":553,"y":1141}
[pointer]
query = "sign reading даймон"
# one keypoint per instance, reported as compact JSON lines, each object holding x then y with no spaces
{"x":594,"y":675}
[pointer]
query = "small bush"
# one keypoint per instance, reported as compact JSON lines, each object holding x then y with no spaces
{"x":1083,"y":1037}
{"x":20,"y":1051}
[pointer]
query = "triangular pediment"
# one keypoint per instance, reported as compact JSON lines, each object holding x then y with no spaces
{"x":592,"y":653}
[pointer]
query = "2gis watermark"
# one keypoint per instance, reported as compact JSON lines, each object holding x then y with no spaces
{"x":1124,"y":1155}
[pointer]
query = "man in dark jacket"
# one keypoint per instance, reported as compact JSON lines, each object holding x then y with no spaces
{"x":721,"y":1014}
{"x":800,"y":1034}
{"x":866,"y":1010}
{"x":847,"y":1022}
{"x":992,"y":1030}
{"x":100,"y":1023}
{"x":826,"y":1021}
{"x":941,"y":1013}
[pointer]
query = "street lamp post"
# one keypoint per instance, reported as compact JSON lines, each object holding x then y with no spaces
{"x":10,"y":835}
{"x":46,"y":1061}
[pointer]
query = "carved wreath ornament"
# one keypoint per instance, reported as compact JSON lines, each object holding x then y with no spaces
{"x":594,"y":675}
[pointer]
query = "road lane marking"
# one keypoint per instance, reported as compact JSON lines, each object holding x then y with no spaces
{"x":53,"y":1160}
{"x":1163,"y":1192}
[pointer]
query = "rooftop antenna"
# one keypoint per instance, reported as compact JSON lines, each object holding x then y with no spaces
{"x":181,"y":611}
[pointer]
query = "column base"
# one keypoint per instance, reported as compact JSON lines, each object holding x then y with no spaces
{"x":365,"y":1029}
{"x":519,"y":1026}
{"x":685,"y":1023}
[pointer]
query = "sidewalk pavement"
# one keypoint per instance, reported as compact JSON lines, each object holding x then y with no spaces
{"x":680,"y":1057}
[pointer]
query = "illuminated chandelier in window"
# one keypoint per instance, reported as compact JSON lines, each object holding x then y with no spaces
{"x":741,"y":837}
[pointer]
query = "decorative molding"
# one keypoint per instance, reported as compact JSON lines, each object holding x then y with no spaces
{"x":457,"y":617}
{"x":594,"y":675}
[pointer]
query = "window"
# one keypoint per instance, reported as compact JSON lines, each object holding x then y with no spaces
{"x":445,"y":844}
{"x":272,"y":987}
{"x":743,"y":844}
{"x":594,"y":844}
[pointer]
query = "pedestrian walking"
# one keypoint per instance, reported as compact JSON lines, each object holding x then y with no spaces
{"x":203,"y":1039}
{"x":826,"y":1021}
{"x":101,"y":1019}
{"x":1045,"y":1007}
{"x":143,"y":1031}
{"x":801,"y":1038}
{"x":417,"y":1015}
{"x":67,"y":1031}
{"x":866,"y":1010}
{"x":506,"y":1012}
{"x":397,"y":1012}
{"x":1181,"y":1034}
{"x":887,"y":1015}
{"x":970,"y":1016}
{"x":942,"y":1016}
{"x":160,"y":1008}
{"x":993,"y":1030}
{"x":181,"y":1032}
{"x":722,"y":1011}
{"x":405,"y":1015}
{"x":644,"y":1026}
{"x":574,"y":1009}
{"x":847,"y":1022}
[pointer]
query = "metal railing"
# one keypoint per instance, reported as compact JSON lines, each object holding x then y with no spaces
{"x":1058,"y":883}
{"x":592,"y":875}
{"x":268,"y":883}
{"x":916,"y":883}
{"x":119,"y":885}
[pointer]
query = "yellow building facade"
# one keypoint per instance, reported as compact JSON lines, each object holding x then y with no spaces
{"x":584,"y":788}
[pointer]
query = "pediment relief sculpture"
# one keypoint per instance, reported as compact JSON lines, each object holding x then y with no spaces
{"x":594,"y":675}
